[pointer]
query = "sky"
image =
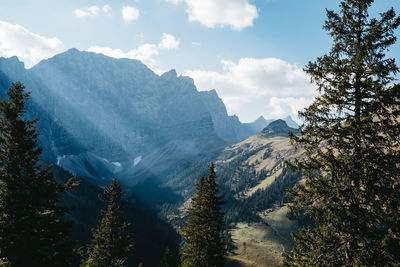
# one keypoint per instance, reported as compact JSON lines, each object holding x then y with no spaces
{"x":251,"y":51}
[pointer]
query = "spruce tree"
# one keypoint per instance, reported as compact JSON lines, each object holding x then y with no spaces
{"x":32,"y":231}
{"x":111,"y":239}
{"x":351,"y":137}
{"x":203,"y":241}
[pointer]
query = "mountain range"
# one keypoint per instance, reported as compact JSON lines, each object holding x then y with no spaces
{"x":102,"y":117}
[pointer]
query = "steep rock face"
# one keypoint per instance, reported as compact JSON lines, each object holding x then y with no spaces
{"x":126,"y":100}
{"x":54,"y":138}
{"x":103,"y":113}
{"x":228,"y":127}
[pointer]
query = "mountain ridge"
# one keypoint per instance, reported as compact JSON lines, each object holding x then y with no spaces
{"x":116,"y":110}
{"x":102,"y":117}
{"x":101,"y":113}
{"x":277,"y":128}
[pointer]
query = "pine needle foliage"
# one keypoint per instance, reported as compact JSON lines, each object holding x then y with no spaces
{"x":32,"y":229}
{"x":351,"y":138}
{"x":203,"y":241}
{"x":111,"y":239}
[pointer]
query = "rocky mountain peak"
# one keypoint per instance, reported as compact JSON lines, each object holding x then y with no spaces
{"x":277,"y":128}
{"x":260,"y":120}
{"x":169,"y":75}
{"x":11,"y":65}
{"x":290,"y":122}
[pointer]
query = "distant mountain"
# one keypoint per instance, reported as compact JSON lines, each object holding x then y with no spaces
{"x":290,"y":122}
{"x":151,"y":234}
{"x":228,"y":127}
{"x":277,"y":128}
{"x":104,"y":117}
{"x":258,"y":124}
{"x":127,"y":101}
{"x":104,"y":113}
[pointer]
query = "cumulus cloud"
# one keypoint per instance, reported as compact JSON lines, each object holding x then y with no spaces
{"x":250,"y":79}
{"x":106,"y":9}
{"x":280,"y":107}
{"x":237,"y":14}
{"x":91,"y":11}
{"x":130,"y":13}
{"x":168,"y":42}
{"x":145,"y":52}
{"x":29,"y":47}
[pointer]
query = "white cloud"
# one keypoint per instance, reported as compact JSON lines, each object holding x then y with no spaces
{"x":280,"y":107}
{"x":106,"y":9}
{"x":29,"y":47}
{"x":237,"y":14}
{"x":145,"y":52}
{"x":91,"y":11}
{"x":168,"y":42}
{"x":130,"y":13}
{"x":250,"y":79}
{"x":175,"y":2}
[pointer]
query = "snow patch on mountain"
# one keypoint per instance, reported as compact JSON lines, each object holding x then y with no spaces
{"x":137,"y":160}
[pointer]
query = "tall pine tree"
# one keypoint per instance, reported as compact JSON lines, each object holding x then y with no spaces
{"x":32,"y":231}
{"x":351,"y":138}
{"x":203,"y":243}
{"x":111,"y":239}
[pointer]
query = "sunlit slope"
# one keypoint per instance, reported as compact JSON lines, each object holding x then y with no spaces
{"x":262,"y":244}
{"x":255,"y":174}
{"x":256,"y":162}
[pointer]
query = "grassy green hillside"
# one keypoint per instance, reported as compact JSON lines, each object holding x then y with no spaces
{"x":253,"y":177}
{"x":262,"y":244}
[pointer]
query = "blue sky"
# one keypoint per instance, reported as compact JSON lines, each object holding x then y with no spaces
{"x":251,"y":52}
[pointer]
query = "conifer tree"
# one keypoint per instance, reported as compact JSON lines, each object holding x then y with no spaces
{"x":203,"y":241}
{"x":351,"y":137}
{"x":111,"y":239}
{"x":32,"y":231}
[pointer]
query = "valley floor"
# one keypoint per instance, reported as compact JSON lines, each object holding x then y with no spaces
{"x":262,"y":244}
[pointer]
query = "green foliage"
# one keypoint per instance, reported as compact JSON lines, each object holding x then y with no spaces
{"x":111,"y":240}
{"x":351,"y":138}
{"x":237,"y":176}
{"x":247,"y":209}
{"x":32,"y":232}
{"x":203,"y":234}
{"x":4,"y":262}
{"x":151,"y":234}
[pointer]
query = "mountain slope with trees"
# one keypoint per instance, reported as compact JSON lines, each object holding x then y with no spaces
{"x":253,"y":179}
